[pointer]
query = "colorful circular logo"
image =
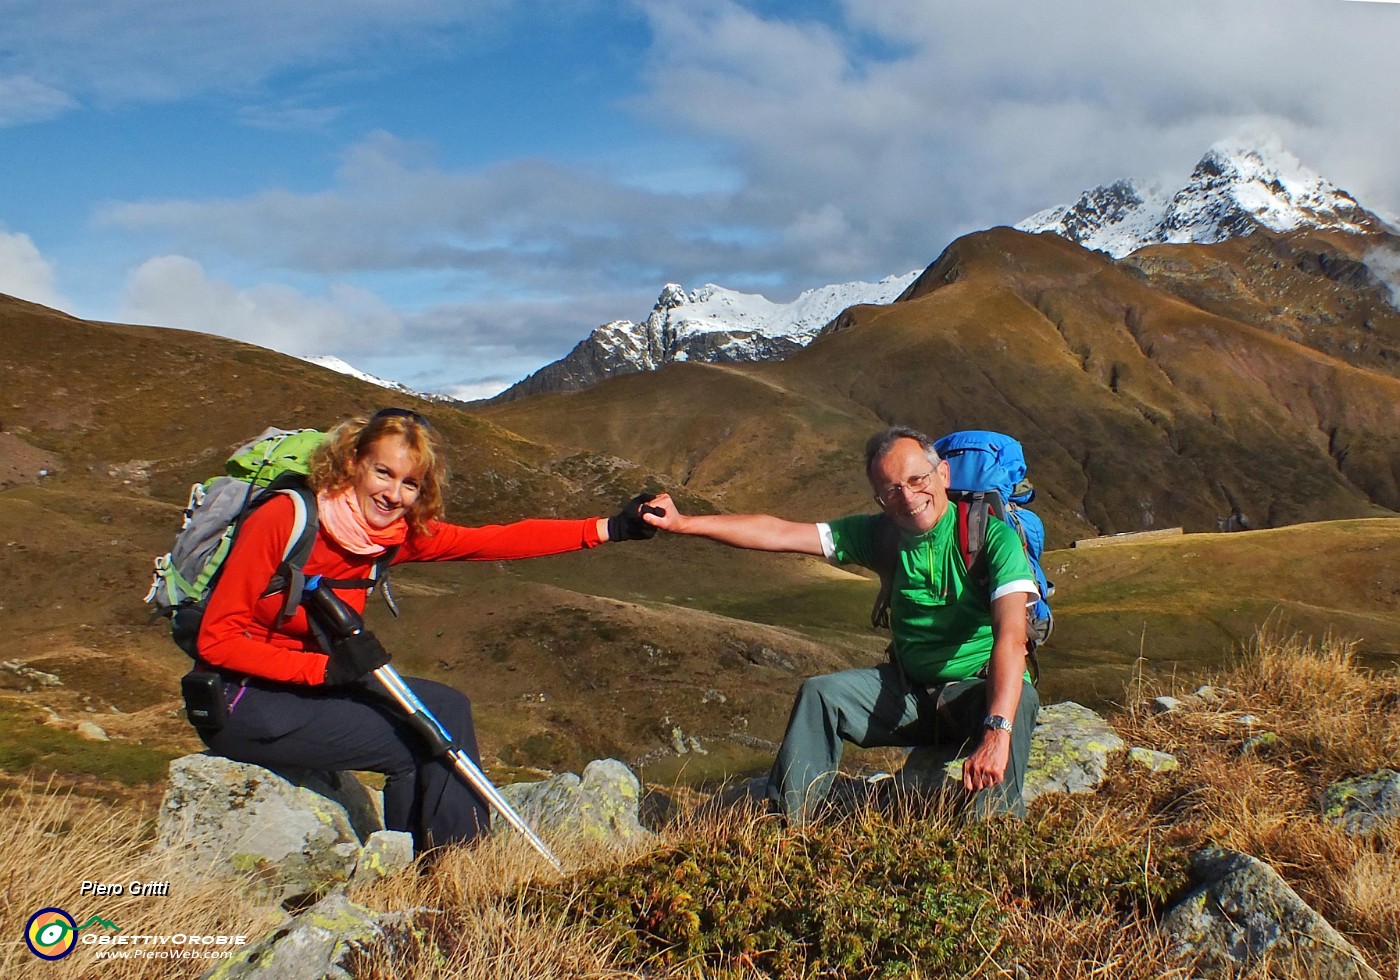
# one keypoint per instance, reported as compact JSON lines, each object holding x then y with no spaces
{"x":51,"y":934}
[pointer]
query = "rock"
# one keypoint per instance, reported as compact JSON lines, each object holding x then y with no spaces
{"x":1069,"y":751}
{"x":385,"y":854}
{"x":1152,"y":760}
{"x":1243,"y":912}
{"x":313,"y":945}
{"x":20,"y":669}
{"x":1361,"y":805}
{"x":1164,"y":704}
{"x":299,"y":831}
{"x":1261,"y":744}
{"x":92,"y":732}
{"x":1070,"y":748}
{"x":601,"y":807}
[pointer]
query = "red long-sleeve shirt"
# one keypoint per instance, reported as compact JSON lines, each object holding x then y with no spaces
{"x":239,"y":632}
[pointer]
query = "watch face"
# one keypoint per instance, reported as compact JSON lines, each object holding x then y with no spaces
{"x":996,"y":722}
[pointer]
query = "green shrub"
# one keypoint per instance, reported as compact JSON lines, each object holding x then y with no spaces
{"x":879,"y":896}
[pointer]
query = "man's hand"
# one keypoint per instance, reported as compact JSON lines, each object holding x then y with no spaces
{"x":986,"y":766}
{"x":628,"y":524}
{"x":661,"y":513}
{"x":756,"y":532}
{"x":354,"y":656}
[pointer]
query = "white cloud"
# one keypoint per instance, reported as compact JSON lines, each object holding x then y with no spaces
{"x":922,"y":118}
{"x":856,"y":146}
{"x":25,"y":273}
{"x":1384,"y":264}
{"x":175,"y":291}
{"x":528,"y":226}
{"x":25,"y":100}
{"x":288,"y":116}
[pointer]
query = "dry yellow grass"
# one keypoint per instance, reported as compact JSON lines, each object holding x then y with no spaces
{"x":1332,"y":720}
{"x":51,"y":841}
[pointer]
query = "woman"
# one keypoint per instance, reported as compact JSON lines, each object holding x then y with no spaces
{"x":379,"y":485}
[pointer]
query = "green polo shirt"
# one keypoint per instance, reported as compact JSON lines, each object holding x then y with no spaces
{"x":940,"y":618}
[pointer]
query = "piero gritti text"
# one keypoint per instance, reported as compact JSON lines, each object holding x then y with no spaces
{"x":152,"y":889}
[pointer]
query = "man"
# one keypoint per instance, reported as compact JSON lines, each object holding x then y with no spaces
{"x":958,"y":670}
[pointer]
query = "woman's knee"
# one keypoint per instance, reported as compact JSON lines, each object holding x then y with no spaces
{"x":440,"y":699}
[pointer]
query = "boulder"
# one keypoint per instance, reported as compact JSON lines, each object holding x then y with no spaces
{"x":602,"y":806}
{"x":311,"y":945}
{"x":297,"y":831}
{"x":1070,"y":749}
{"x":1244,"y":911}
{"x":386,"y":853}
{"x":1364,"y":804}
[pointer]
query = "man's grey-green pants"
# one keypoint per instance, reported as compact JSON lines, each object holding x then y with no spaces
{"x":874,"y":706}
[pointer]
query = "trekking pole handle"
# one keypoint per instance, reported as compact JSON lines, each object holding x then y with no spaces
{"x":331,"y":611}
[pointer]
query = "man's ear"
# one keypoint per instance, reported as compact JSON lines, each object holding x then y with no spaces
{"x":945,"y":473}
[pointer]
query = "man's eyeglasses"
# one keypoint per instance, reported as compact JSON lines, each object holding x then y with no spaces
{"x":915,"y":484}
{"x":400,"y":413}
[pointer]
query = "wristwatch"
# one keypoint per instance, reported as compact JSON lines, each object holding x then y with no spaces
{"x":996,"y":723}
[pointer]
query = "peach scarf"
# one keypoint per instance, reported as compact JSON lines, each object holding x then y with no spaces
{"x":344,"y":521}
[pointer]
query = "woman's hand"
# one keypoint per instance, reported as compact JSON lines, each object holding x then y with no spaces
{"x":629,"y":524}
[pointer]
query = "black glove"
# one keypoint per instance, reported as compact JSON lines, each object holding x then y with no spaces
{"x":354,"y":656}
{"x":627,"y":524}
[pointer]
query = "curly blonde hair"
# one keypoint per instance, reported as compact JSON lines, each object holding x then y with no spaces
{"x":333,"y":463}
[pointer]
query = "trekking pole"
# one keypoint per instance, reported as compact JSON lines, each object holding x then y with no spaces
{"x":338,"y":618}
{"x":440,"y":743}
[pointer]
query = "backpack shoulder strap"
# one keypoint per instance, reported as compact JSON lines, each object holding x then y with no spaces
{"x":975,"y":508}
{"x":381,"y":577}
{"x":884,"y":560}
{"x":290,"y":576}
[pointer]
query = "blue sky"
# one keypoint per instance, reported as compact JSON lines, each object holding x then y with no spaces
{"x":452,"y":194}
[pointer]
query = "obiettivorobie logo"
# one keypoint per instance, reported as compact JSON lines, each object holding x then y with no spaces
{"x":51,"y":934}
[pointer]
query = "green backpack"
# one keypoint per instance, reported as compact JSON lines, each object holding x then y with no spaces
{"x":273,"y":463}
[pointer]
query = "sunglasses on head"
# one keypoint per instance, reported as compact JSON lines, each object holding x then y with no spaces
{"x":405,"y":413}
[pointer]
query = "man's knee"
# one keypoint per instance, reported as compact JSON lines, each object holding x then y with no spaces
{"x":824,"y":694}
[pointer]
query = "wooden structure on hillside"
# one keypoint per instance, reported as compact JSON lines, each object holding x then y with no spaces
{"x":1134,"y":537}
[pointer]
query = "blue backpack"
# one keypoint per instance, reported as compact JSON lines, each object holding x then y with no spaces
{"x":987,"y":478}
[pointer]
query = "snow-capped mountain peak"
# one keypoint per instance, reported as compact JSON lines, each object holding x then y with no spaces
{"x":344,"y":367}
{"x":712,"y":324}
{"x":1232,"y":191}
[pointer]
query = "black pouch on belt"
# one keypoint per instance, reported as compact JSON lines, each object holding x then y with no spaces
{"x":205,"y":705}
